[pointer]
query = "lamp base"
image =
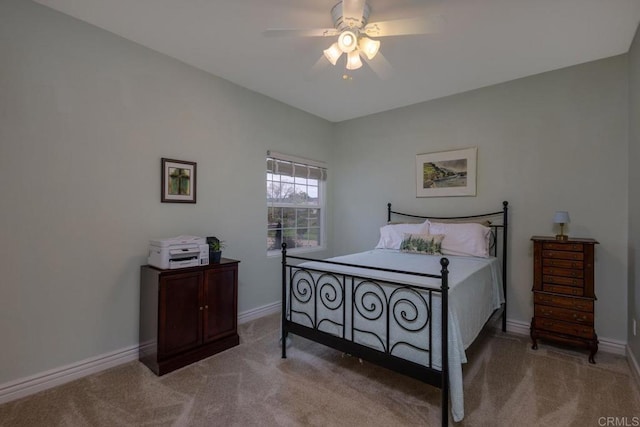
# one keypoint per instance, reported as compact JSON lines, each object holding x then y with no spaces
{"x":562,"y":237}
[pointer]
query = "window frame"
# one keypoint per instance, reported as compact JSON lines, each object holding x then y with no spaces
{"x":321,"y":204}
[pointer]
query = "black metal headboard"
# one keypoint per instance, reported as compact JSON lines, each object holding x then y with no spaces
{"x":497,"y":221}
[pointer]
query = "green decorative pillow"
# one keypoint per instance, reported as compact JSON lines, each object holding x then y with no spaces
{"x":427,"y":244}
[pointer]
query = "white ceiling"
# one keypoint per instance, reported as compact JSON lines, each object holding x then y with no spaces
{"x":483,"y":42}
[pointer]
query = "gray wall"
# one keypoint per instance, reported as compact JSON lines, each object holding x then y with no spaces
{"x":554,"y":141}
{"x":85,"y":117}
{"x":634,"y":194}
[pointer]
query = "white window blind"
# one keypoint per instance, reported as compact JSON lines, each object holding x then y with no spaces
{"x":295,"y":168}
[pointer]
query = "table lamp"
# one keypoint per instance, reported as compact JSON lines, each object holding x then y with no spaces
{"x":561,"y":217}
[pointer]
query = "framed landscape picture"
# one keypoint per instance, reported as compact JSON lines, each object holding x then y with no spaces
{"x":178,"y":181}
{"x":447,"y":173}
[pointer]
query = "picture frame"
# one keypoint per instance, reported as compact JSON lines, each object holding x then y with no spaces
{"x":446,"y":173}
{"x":178,"y":181}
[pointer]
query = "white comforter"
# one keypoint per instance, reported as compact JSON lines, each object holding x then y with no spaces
{"x":475,"y":291}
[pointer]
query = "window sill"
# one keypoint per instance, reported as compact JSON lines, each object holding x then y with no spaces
{"x":296,"y":251}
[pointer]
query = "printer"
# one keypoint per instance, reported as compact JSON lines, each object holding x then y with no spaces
{"x":178,"y":252}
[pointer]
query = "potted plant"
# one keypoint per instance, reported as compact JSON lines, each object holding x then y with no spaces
{"x":215,"y":249}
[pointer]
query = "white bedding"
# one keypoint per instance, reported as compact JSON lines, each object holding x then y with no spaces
{"x":475,"y":291}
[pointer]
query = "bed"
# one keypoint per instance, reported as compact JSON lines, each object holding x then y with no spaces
{"x":426,"y":290}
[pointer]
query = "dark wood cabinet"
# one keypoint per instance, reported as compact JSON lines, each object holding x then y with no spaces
{"x":564,"y":292}
{"x":187,"y":314}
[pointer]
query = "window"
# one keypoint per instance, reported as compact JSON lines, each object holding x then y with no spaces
{"x":295,"y":203}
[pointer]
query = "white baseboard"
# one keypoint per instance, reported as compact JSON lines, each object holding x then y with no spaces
{"x":58,"y":376}
{"x":609,"y":345}
{"x":606,"y":345}
{"x":33,"y":384}
{"x":517,"y":327}
{"x":45,"y":380}
{"x":633,"y":364}
{"x":256,"y":313}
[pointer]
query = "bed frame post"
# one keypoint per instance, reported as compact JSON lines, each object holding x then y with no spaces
{"x":283,"y":338}
{"x":388,"y":212}
{"x":444,"y":262}
{"x":505,"y":210}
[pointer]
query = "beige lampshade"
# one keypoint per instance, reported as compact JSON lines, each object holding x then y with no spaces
{"x":369,"y":47}
{"x":333,"y":53}
{"x":353,"y":60}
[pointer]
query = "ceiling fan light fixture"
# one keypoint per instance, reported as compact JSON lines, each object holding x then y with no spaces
{"x":333,"y":53}
{"x":347,"y":41}
{"x":353,"y":60}
{"x":369,"y":47}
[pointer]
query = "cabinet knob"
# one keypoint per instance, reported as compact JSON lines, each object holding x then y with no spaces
{"x":200,"y":308}
{"x":206,"y":306}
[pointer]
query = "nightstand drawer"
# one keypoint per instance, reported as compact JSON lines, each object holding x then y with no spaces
{"x":562,"y":263}
{"x":566,"y":281}
{"x":556,"y":313}
{"x":565,"y":302}
{"x":558,"y":289}
{"x":564,"y":327}
{"x":577,"y":247}
{"x":567,"y":272}
{"x":577,"y":256}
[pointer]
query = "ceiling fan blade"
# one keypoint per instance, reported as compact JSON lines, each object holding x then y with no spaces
{"x":380,"y":66}
{"x":352,"y":11}
{"x":405,"y":27}
{"x":300,"y":32}
{"x":321,"y":64}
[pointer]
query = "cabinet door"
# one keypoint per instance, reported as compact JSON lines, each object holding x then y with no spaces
{"x":180,"y":313}
{"x":220,"y":299}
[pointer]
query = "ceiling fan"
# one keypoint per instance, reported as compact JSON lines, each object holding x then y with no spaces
{"x":354,"y":31}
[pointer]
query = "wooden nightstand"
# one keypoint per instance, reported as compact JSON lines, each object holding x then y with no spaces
{"x":563,"y":292}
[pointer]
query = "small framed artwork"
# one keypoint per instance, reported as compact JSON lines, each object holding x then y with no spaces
{"x":178,"y":181}
{"x":447,"y":173}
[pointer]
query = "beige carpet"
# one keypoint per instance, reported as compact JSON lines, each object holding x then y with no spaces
{"x":506,"y":384}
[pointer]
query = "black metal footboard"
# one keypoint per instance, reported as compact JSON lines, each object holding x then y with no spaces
{"x":371,"y":318}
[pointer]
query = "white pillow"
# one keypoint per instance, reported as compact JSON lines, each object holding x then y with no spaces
{"x":391,"y":236}
{"x":466,"y":239}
